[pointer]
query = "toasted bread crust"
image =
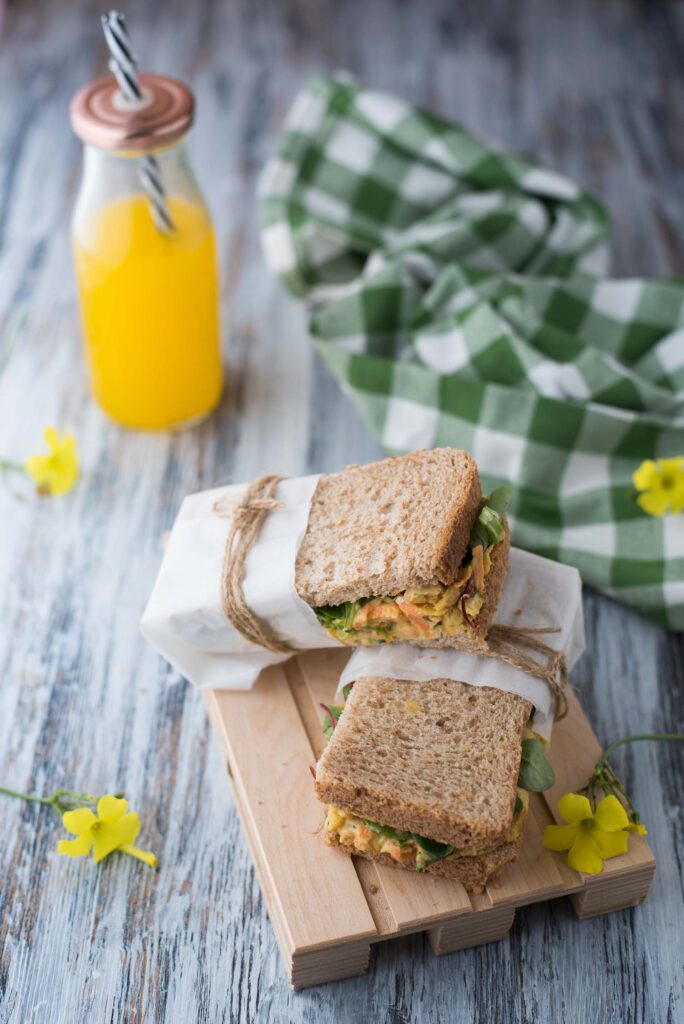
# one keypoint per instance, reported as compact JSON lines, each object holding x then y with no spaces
{"x":437,"y":758}
{"x":378,"y":529}
{"x":494,"y":583}
{"x":472,"y":872}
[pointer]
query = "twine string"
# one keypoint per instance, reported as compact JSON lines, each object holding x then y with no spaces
{"x":507,"y":643}
{"x":247,"y":518}
{"x":124,"y":67}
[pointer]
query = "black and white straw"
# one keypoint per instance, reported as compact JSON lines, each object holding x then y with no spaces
{"x":124,"y":67}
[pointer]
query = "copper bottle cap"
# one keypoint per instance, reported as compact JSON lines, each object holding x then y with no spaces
{"x":102,"y":117}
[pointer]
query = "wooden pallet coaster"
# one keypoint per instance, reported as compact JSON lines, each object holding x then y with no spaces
{"x":328,"y":908}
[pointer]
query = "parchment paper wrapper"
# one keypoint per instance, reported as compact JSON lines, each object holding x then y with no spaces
{"x":184,"y":619}
{"x":185,"y":622}
{"x":537,"y":592}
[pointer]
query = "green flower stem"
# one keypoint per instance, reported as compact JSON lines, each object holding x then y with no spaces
{"x":604,"y":778}
{"x":16,"y":467}
{"x":74,"y":799}
{"x":26,"y":796}
{"x":669,"y":736}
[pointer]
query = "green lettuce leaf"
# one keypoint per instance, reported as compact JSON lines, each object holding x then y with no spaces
{"x":489,"y":526}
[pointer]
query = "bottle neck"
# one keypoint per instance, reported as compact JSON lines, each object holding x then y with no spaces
{"x":114,"y":175}
{"x":125,"y":165}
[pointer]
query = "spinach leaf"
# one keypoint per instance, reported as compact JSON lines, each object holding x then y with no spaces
{"x":429,"y":851}
{"x":536,"y":774}
{"x":518,"y":805}
{"x":331,"y":717}
{"x":339,"y":617}
{"x":430,"y":847}
{"x":435,"y":850}
{"x":387,"y":831}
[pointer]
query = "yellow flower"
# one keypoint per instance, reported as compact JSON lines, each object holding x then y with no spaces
{"x":591,"y":837}
{"x":661,"y":484}
{"x":112,"y":829}
{"x":57,"y":472}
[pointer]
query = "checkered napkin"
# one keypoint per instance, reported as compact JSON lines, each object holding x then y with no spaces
{"x":456,"y":293}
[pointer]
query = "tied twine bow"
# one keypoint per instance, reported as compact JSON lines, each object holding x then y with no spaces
{"x":247,"y":519}
{"x":506,"y":642}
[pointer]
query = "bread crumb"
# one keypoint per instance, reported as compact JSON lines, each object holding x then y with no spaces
{"x":372,"y":888}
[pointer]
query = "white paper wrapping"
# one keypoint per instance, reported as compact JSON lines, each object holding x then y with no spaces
{"x":184,"y":619}
{"x":185,"y":622}
{"x":537,"y":592}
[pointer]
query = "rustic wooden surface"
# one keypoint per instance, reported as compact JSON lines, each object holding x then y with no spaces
{"x":594,"y":89}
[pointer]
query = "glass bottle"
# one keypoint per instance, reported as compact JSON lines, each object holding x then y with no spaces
{"x":145,"y":258}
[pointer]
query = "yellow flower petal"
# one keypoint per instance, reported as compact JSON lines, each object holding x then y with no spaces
{"x":671,"y":467}
{"x":639,"y":828}
{"x":559,"y":837}
{"x":646,"y":476}
{"x":610,"y":815}
{"x":79,"y":821}
{"x":111,"y":808}
{"x":144,"y":855}
{"x":574,"y":808}
{"x":654,"y":502}
{"x":585,"y":855}
{"x":37,"y":468}
{"x":75,"y":847}
{"x":610,"y":844}
{"x":108,"y":837}
{"x":57,"y":472}
{"x":677,"y":500}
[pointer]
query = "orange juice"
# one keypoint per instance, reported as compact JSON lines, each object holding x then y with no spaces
{"x":150,"y":311}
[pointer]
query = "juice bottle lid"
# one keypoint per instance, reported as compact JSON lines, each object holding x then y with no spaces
{"x":103,"y":117}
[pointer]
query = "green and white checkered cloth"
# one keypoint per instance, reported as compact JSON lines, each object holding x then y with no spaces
{"x":457,"y":295}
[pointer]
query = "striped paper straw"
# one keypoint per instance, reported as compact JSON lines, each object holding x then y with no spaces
{"x":124,"y":67}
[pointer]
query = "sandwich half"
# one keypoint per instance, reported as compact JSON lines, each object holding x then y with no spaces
{"x":424,"y":776}
{"x":405,"y":550}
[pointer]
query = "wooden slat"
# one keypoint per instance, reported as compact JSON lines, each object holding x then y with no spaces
{"x":269,"y":756}
{"x":534,"y":875}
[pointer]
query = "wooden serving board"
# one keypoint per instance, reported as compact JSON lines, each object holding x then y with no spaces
{"x":328,"y":908}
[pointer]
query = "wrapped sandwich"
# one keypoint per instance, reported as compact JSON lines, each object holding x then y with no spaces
{"x":431,"y":776}
{"x":405,"y":551}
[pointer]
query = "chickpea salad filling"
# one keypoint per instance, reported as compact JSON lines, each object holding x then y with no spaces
{"x":428,"y":612}
{"x":405,"y":847}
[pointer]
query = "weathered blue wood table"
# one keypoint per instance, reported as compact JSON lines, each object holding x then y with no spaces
{"x":596,"y":90}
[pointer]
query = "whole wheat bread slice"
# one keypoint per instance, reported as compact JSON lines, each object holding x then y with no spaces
{"x":472,"y":872}
{"x":376,"y":530}
{"x":437,"y":758}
